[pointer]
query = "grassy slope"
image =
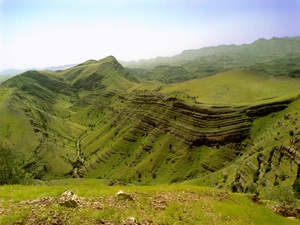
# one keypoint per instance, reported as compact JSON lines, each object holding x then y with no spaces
{"x":5,"y":77}
{"x":32,"y":123}
{"x":236,"y":88}
{"x":153,"y":155}
{"x":40,"y":119}
{"x":132,"y":163}
{"x":168,"y":204}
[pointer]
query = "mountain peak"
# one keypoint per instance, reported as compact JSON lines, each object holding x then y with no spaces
{"x":108,"y":59}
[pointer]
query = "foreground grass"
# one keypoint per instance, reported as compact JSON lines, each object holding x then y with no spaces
{"x":164,"y":204}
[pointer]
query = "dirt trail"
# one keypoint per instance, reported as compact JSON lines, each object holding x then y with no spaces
{"x":79,"y":145}
{"x":79,"y":163}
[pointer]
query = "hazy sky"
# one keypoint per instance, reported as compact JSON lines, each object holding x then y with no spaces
{"x":41,"y":33}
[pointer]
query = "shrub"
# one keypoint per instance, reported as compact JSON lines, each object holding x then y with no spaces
{"x":282,"y":177}
{"x":284,"y":195}
{"x":268,"y":168}
{"x":255,"y":176}
{"x":296,"y":187}
{"x":225,"y":177}
{"x":252,"y":189}
{"x":153,"y":175}
{"x":234,"y":187}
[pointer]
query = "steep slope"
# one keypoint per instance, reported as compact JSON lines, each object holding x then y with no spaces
{"x":93,"y":74}
{"x":37,"y":107}
{"x":168,"y":138}
{"x":271,"y":158}
{"x":157,"y":139}
{"x":35,"y":113}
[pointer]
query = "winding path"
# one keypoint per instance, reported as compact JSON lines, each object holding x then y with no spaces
{"x":79,"y":161}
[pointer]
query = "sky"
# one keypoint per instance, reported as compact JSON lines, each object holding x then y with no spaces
{"x":43,"y":33}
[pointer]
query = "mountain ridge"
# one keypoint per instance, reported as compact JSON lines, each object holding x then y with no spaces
{"x":276,"y":57}
{"x":192,"y":54}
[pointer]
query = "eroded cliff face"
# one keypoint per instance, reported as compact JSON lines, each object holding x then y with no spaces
{"x":154,"y":138}
{"x":194,"y":124}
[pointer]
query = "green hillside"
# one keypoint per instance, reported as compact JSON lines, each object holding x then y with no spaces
{"x":236,"y":88}
{"x":37,"y":107}
{"x":4,"y":78}
{"x":237,"y":130}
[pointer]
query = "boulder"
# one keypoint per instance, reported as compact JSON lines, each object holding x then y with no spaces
{"x":69,"y":199}
{"x":123,"y":196}
{"x":130,"y":221}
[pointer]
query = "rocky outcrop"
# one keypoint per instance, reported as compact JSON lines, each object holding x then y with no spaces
{"x":69,"y":199}
{"x":265,"y":109}
{"x":124,"y":196}
{"x":287,"y":211}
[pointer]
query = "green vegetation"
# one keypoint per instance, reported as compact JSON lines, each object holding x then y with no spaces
{"x":10,"y":173}
{"x":233,"y":128}
{"x":5,"y":77}
{"x":296,"y":187}
{"x":235,"y":88}
{"x":167,"y":204}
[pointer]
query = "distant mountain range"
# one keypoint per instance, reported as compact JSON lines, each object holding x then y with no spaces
{"x":52,"y":68}
{"x":277,"y":56}
{"x":9,"y":73}
{"x":274,"y":47}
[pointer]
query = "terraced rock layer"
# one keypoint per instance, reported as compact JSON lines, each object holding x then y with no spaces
{"x":153,"y":130}
{"x":194,"y":124}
